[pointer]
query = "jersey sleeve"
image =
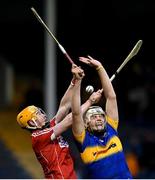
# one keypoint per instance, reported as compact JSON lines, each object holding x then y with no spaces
{"x":80,"y":137}
{"x":81,"y":140}
{"x":113,"y":123}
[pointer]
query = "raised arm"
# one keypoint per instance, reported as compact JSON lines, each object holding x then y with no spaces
{"x":78,"y":74}
{"x":109,"y":93}
{"x":65,"y":103}
{"x":77,"y":124}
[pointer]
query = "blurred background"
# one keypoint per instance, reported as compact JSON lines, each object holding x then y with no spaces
{"x":33,"y":70}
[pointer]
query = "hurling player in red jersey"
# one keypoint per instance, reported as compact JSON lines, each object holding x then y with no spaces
{"x":51,"y":150}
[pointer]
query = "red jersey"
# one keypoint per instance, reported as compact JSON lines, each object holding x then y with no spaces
{"x":54,"y":156}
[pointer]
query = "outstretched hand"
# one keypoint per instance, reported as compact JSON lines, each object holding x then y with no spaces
{"x":90,"y":61}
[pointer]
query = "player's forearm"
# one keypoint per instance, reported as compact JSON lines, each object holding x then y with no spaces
{"x":85,"y":106}
{"x":77,"y":121}
{"x":76,"y":99}
{"x":61,"y":127}
{"x":66,"y":99}
{"x":65,"y":103}
{"x":106,"y":83}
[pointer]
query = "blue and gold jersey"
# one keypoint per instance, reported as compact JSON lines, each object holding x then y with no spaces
{"x":103,"y":156}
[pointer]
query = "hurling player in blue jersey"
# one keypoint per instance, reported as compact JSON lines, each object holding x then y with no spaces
{"x":96,"y":133}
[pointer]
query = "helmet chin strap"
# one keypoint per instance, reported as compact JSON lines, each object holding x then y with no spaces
{"x":31,"y":128}
{"x":31,"y":125}
{"x":47,"y":125}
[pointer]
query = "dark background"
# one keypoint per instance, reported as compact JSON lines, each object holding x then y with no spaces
{"x":106,"y":30}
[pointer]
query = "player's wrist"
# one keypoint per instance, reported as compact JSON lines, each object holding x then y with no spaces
{"x":100,"y":67}
{"x":73,"y":82}
{"x":92,"y":101}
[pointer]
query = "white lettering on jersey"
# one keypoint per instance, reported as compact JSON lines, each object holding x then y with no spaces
{"x":62,"y":142}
